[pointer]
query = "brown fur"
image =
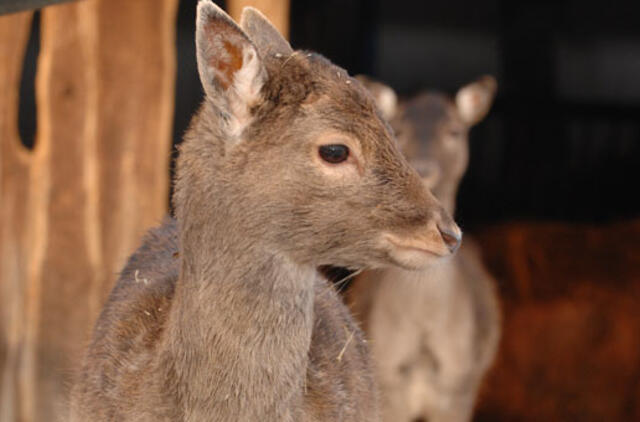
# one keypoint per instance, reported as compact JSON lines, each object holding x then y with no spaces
{"x":570,"y":340}
{"x":222,"y":315}
{"x":433,"y":333}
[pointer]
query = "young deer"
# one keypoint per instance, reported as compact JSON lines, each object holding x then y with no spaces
{"x":221,"y":315}
{"x":433,"y":333}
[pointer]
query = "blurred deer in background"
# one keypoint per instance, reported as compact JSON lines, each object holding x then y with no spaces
{"x":221,"y":315}
{"x":433,"y":333}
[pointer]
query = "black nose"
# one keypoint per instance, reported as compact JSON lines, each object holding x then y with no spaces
{"x":452,"y":237}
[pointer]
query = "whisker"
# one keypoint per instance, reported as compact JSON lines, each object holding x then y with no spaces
{"x":340,"y":284}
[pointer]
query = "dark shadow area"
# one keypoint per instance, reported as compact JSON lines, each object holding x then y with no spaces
{"x":27,"y":115}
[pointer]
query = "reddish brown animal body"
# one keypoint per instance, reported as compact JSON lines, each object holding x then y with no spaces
{"x":570,"y":339}
{"x":221,"y":315}
{"x":433,"y":333}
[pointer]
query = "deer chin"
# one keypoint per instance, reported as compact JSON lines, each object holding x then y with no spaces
{"x":414,"y":253}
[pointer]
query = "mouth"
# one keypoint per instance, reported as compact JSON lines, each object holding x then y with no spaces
{"x":414,"y":253}
{"x":416,"y":248}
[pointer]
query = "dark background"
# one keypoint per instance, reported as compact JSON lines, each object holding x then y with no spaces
{"x":563,"y":139}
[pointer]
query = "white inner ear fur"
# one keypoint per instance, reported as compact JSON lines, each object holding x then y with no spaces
{"x":387,"y":102}
{"x":247,"y":84}
{"x":470,"y":104}
{"x":474,"y":100}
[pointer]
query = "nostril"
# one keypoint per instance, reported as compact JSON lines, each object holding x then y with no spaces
{"x":452,"y":238}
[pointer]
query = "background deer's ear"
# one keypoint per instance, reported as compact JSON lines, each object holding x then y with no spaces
{"x":263,"y":34}
{"x":230,"y":68}
{"x":474,"y":100}
{"x":384,"y":96}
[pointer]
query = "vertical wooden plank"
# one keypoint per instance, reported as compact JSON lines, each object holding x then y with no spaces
{"x":76,"y":206}
{"x":14,"y":221}
{"x":136,"y":61}
{"x":110,"y":96}
{"x":277,"y":11}
{"x":65,"y":145}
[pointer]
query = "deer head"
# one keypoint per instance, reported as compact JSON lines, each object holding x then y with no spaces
{"x":297,"y":158}
{"x":433,"y":130}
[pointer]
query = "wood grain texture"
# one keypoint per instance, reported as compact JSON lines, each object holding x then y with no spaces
{"x":277,"y":11}
{"x":77,"y":205}
{"x":16,"y":232}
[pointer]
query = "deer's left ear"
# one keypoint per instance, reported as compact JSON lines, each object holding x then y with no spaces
{"x":474,"y":100}
{"x":230,"y":68}
{"x":263,"y":34}
{"x":385,"y":97}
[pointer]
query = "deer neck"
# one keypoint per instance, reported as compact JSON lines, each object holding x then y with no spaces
{"x":240,"y":326}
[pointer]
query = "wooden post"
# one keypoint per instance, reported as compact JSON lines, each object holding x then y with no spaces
{"x":75,"y":206}
{"x":15,"y":230}
{"x":277,"y":11}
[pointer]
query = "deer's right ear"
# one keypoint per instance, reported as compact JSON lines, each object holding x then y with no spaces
{"x":230,"y":68}
{"x":474,"y":100}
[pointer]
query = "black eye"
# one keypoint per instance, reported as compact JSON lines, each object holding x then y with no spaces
{"x":334,"y":154}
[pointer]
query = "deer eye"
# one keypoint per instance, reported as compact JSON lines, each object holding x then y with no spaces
{"x":334,"y":154}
